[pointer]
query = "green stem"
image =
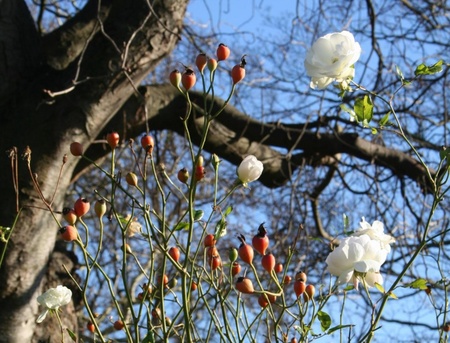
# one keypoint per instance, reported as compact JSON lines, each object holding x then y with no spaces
{"x":60,"y":325}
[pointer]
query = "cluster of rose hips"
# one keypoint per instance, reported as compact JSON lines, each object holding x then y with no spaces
{"x":213,"y":258}
{"x":300,"y":287}
{"x":188,"y":78}
{"x":82,"y":205}
{"x":113,"y":140}
{"x":80,"y":208}
{"x":117,"y":325}
{"x":69,"y":232}
{"x":199,"y":173}
{"x":260,"y":243}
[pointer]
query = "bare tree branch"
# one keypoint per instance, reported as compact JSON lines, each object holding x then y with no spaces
{"x":235,"y":135}
{"x":64,"y":45}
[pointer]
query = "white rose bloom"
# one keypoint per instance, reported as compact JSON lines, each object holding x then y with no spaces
{"x":331,"y":58}
{"x":375,"y":232}
{"x":356,"y":258}
{"x":53,"y":299}
{"x":249,"y":170}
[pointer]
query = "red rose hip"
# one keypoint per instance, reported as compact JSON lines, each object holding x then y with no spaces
{"x":81,"y":207}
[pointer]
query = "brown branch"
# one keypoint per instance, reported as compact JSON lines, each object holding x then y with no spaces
{"x":63,"y":45}
{"x":315,"y":202}
{"x":234,"y":135}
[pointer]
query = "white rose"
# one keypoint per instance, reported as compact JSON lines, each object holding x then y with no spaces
{"x":249,"y":170}
{"x":357,"y":258}
{"x":375,"y":232}
{"x":53,"y":299}
{"x":331,"y":58}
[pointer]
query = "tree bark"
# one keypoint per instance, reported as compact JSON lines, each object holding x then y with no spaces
{"x":96,"y":80}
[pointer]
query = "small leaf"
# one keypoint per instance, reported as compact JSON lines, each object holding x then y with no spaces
{"x":423,"y":69}
{"x":123,"y":219}
{"x":221,"y":229}
{"x":349,"y":288}
{"x":393,"y":296}
{"x":399,"y":73}
{"x":443,"y":153}
{"x":419,"y":284}
{"x":227,"y":211}
{"x":379,"y":287}
{"x":198,"y":214}
{"x":72,"y":334}
{"x":325,"y":320}
{"x":385,"y":119}
{"x":374,"y":130}
{"x":364,"y":109}
{"x":299,"y":329}
{"x":223,"y":232}
{"x":181,"y":226}
{"x":346,"y":221}
{"x":149,"y":338}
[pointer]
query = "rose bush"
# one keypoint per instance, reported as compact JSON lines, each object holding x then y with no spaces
{"x":331,"y":58}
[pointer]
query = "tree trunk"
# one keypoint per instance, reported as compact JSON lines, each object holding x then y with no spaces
{"x":47,"y":125}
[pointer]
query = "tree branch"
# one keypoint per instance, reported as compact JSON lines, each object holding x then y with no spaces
{"x":63,"y":45}
{"x":234,"y":135}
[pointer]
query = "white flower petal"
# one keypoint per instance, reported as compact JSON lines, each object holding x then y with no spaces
{"x":367,"y":266}
{"x":54,"y":298}
{"x":41,"y":317}
{"x":361,"y":254}
{"x":372,"y":278}
{"x":331,"y":58}
{"x":355,"y":248}
{"x":375,"y":232}
{"x":345,"y":276}
{"x":250,"y":169}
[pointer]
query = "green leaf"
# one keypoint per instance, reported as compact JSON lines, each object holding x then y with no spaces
{"x":379,"y":287}
{"x":399,"y":73}
{"x":123,"y":220}
{"x":221,"y":226}
{"x":349,"y":288}
{"x":72,"y":334}
{"x":221,"y":229}
{"x":374,"y":130}
{"x":346,"y":221}
{"x":393,"y":296}
{"x":227,"y":211}
{"x":325,"y":320}
{"x":181,"y":226}
{"x":364,"y":110}
{"x":443,"y":153}
{"x":423,"y":69}
{"x":149,"y":338}
{"x":198,"y":214}
{"x":385,"y":119}
{"x":419,"y":284}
